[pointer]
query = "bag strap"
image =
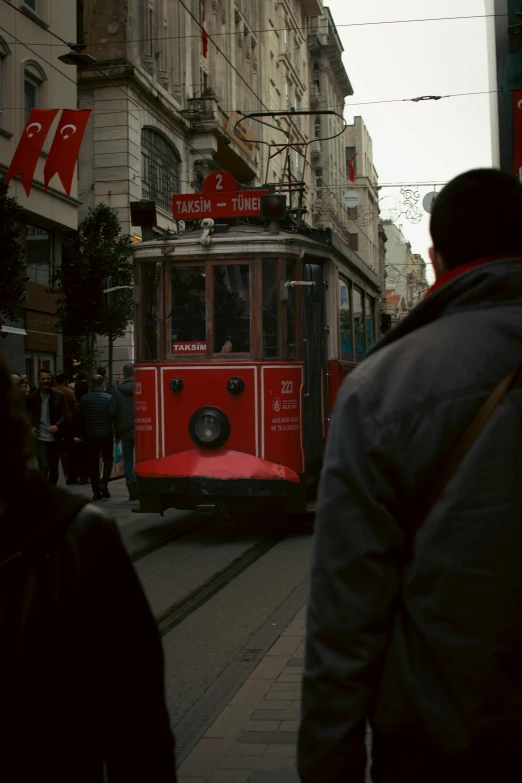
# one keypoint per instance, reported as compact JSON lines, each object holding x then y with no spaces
{"x":448,"y":470}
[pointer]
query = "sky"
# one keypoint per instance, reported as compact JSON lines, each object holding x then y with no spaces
{"x":431,"y":141}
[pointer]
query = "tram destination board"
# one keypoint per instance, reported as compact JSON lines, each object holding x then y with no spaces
{"x":239,"y":203}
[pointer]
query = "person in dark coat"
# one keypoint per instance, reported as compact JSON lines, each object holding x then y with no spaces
{"x":81,"y":663}
{"x":99,"y":435}
{"x":423,"y":638}
{"x":122,"y":409}
{"x":46,"y":410}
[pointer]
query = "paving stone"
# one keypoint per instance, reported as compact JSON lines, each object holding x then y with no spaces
{"x":205,"y":757}
{"x":289,"y":694}
{"x":257,"y":762}
{"x":276,"y":714}
{"x":246,"y":749}
{"x":289,"y":725}
{"x":290,"y":751}
{"x":296,"y":669}
{"x":280,"y":686}
{"x":270,"y":667}
{"x":297,"y":677}
{"x":296,"y":662}
{"x":229,"y":776}
{"x":251,"y":693}
{"x":269,"y":737}
{"x":285,"y":645}
{"x":263,"y":776}
{"x":230,"y":722}
{"x":295,"y":705}
{"x":274,"y":704}
{"x":262,"y":725}
{"x":296,"y":628}
{"x":288,"y":776}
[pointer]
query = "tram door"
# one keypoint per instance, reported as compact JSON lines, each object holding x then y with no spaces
{"x":313,"y":353}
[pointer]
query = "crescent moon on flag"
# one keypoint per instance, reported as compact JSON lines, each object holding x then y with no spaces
{"x":68,"y":126}
{"x":519,"y":104}
{"x":34,"y":125}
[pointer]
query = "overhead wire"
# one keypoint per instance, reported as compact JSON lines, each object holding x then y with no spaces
{"x":297,"y":27}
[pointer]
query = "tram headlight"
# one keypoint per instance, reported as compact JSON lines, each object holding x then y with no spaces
{"x":209,"y":428}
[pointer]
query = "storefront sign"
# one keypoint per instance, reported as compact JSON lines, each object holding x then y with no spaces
{"x":42,"y":334}
{"x":220,"y":199}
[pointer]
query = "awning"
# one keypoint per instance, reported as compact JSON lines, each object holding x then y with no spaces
{"x":12,"y":330}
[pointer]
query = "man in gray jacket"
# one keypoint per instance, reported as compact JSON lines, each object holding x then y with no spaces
{"x":421,"y":636}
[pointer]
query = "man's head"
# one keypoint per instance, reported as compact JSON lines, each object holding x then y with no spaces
{"x":477,"y":215}
{"x":101,"y":371}
{"x":61,"y":379}
{"x":128,"y":371}
{"x":45,"y":380}
{"x":97,"y":382}
{"x":82,"y":376}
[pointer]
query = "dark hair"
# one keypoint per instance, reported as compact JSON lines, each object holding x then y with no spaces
{"x":101,"y":371}
{"x":82,"y":376}
{"x":97,"y":381}
{"x":61,"y":378}
{"x":81,"y":387}
{"x":128,"y":370}
{"x":15,"y":432}
{"x":477,"y":215}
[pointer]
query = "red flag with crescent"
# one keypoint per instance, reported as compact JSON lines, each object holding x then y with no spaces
{"x":30,"y":145}
{"x":66,"y":146}
{"x":204,"y":33}
{"x":351,"y":168}
{"x":517,"y":128}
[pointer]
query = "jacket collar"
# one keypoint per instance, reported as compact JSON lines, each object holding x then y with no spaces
{"x":452,"y":274}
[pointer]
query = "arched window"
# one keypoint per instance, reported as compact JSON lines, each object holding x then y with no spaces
{"x":315,"y":76}
{"x":317,"y":128}
{"x":159,"y":168}
{"x":34,"y":77}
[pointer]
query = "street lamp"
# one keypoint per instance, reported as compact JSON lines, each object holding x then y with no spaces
{"x":77,"y":56}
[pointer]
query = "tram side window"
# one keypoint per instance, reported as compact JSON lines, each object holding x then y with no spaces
{"x":270,"y":324}
{"x":345,"y":319}
{"x":232,"y":308}
{"x":358,"y":321}
{"x":370,"y":321}
{"x":290,"y":311}
{"x":188,"y":310}
{"x":149,"y":307}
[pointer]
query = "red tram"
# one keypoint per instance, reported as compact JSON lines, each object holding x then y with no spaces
{"x":242,"y":343}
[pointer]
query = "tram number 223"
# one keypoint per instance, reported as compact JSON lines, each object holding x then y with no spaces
{"x":287,"y":387}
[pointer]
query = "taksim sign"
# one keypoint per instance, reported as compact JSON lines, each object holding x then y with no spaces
{"x":220,"y":198}
{"x":182,"y":346}
{"x":242,"y":203}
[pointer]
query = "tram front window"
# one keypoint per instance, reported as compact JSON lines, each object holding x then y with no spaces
{"x":232,"y":308}
{"x":188,"y":310}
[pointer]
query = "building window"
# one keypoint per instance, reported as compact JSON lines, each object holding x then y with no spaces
{"x":317,"y":128}
{"x":150,"y":32}
{"x":315,"y":76}
{"x":39,"y":255}
{"x":5,"y":51}
{"x":159,"y":168}
{"x":350,"y":152}
{"x":352,"y":212}
{"x":319,"y":183}
{"x":358,"y":321}
{"x":353,"y":241}
{"x":34,"y":77}
{"x":345,"y":322}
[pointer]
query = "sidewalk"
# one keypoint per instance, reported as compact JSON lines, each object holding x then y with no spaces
{"x":254,"y":739}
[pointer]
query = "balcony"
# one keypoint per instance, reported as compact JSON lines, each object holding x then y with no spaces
{"x":316,"y":149}
{"x":315,"y":96}
{"x":313,"y":7}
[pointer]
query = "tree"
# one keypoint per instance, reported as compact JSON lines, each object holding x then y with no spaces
{"x":13,"y":281}
{"x":96,"y":251}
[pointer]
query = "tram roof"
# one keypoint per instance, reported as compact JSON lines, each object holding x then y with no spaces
{"x":322,"y":244}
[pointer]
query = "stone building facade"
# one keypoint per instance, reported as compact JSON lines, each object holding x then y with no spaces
{"x":405,"y":271}
{"x":31,"y":76}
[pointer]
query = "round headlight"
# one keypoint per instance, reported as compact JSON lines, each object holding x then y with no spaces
{"x":209,"y":428}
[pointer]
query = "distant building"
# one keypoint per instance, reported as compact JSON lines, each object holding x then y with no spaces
{"x":405,"y":271}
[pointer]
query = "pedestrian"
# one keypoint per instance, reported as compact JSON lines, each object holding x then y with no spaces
{"x":71,"y":412}
{"x":81,"y":664}
{"x":98,"y":428}
{"x":46,"y":411}
{"x":81,"y":387}
{"x":415,"y":610}
{"x":103,"y":372}
{"x":122,"y":409}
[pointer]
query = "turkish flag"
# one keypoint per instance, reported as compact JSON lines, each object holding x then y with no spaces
{"x":30,"y":145}
{"x":351,"y":169}
{"x":517,"y":130}
{"x":66,"y":146}
{"x":204,"y":34}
